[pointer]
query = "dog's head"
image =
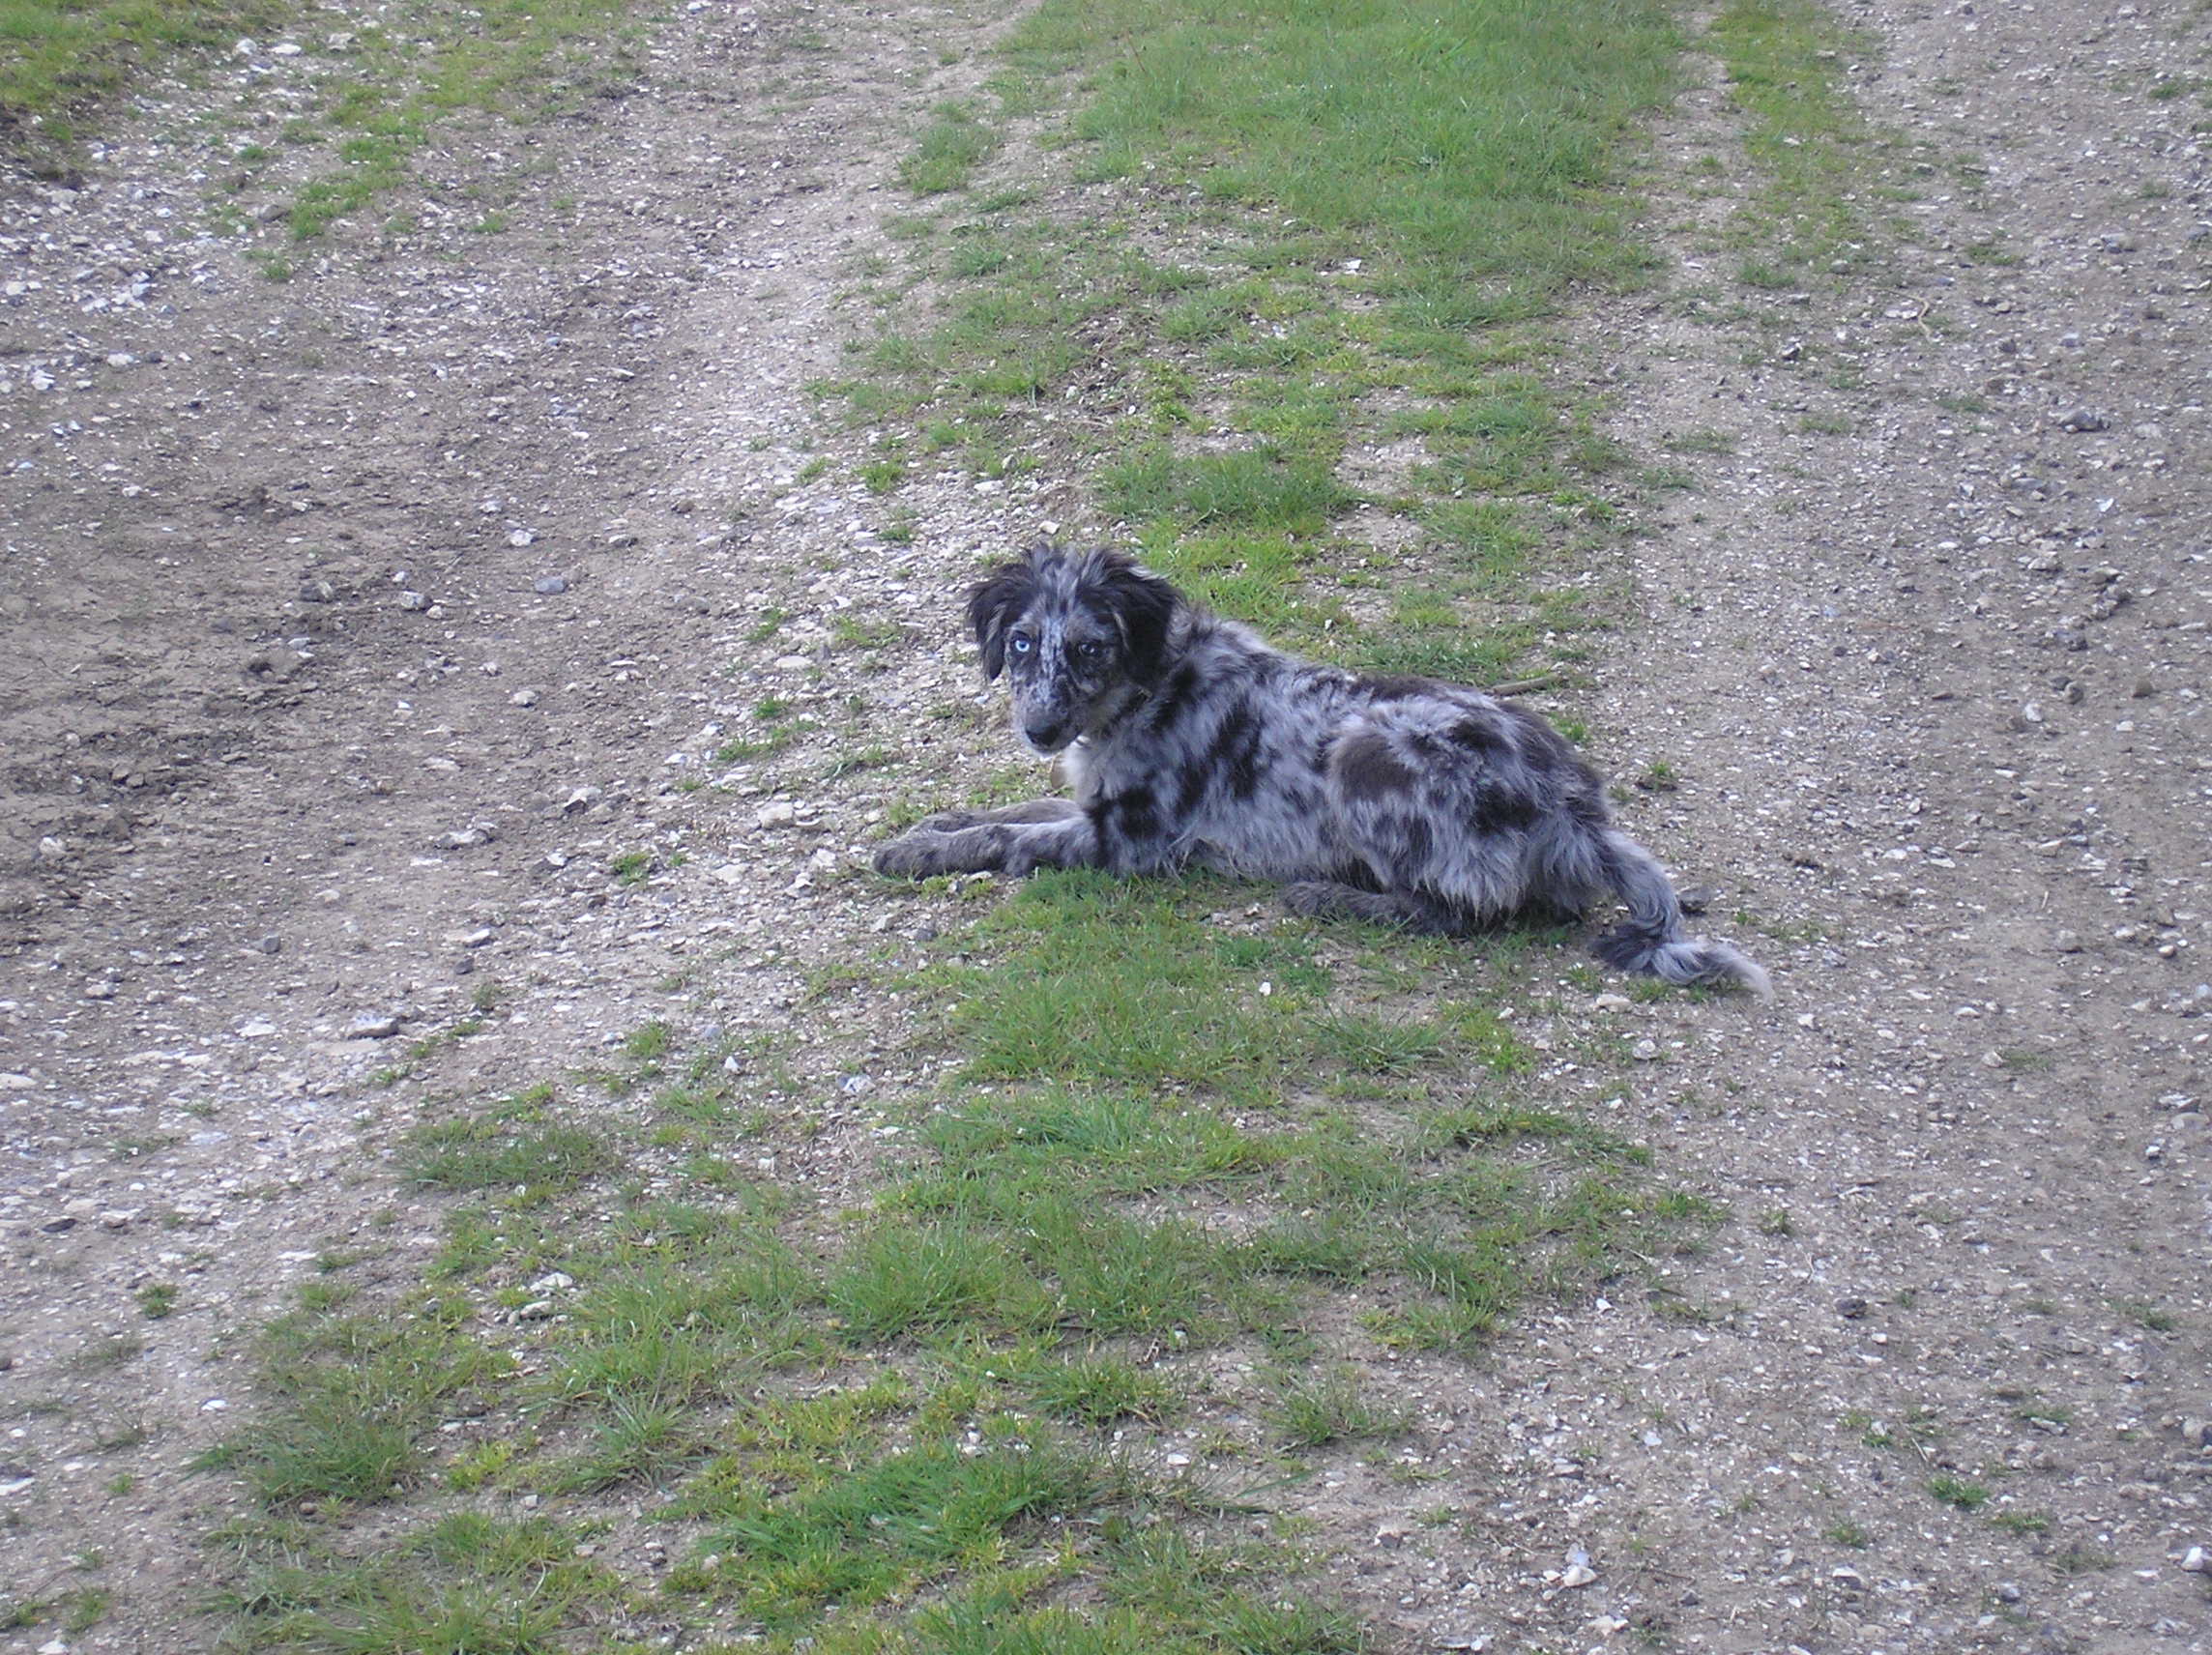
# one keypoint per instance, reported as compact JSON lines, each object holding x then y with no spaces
{"x":1078,"y":634}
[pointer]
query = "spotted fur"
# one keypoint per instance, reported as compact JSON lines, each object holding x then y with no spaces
{"x":1192,"y":742}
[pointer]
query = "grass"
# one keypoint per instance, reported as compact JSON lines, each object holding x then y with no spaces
{"x":1338,"y":282}
{"x":398,"y":82}
{"x":1783,"y":59}
{"x":61,"y":58}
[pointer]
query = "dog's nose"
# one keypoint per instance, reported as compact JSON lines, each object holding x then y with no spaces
{"x":1043,"y":733}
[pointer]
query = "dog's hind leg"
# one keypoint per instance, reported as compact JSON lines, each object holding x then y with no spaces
{"x":1325,"y":899}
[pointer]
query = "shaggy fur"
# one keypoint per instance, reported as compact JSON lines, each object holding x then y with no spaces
{"x":1191,"y":741}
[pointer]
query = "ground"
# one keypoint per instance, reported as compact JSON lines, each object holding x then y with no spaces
{"x":365,"y":629}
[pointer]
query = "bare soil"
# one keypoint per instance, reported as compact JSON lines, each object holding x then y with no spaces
{"x":358,"y":626}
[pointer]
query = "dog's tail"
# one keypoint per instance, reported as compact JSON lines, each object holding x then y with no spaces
{"x":1651,"y":941}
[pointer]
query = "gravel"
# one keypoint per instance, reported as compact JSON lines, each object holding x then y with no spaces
{"x":1985,"y":926}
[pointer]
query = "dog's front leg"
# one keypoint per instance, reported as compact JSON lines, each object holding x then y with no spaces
{"x":1063,"y":841}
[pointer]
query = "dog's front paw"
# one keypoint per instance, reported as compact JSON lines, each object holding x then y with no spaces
{"x":917,"y":855}
{"x":925,"y":852}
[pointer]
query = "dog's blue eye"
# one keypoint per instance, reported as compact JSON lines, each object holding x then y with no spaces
{"x":1020,"y":643}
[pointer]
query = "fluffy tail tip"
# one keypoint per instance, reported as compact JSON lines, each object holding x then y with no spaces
{"x":1682,"y":960}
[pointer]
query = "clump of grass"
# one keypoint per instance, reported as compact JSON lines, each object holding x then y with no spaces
{"x":1959,"y":1492}
{"x":953,"y":146}
{"x":506,"y":1148}
{"x":893,"y":1524}
{"x":352,"y":1396}
{"x":1315,"y":1410}
{"x":467,"y":1582}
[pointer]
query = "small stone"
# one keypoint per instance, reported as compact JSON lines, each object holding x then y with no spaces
{"x":1577,"y":1574}
{"x":373,"y":1026}
{"x":553,"y":1282}
{"x":2007,"y":1592}
{"x":2067,"y":941}
{"x":1645,"y":1050}
{"x":2196,"y":1562}
{"x":271,"y":945}
{"x":2085,"y":419}
{"x":537,"y":1310}
{"x":523,"y":698}
{"x":1847,"y":1578}
{"x":521,"y":538}
{"x":256,"y":1029}
{"x":414,"y":600}
{"x":549,"y":586}
{"x":1851,"y":1308}
{"x":781,"y":814}
{"x":317,"y":592}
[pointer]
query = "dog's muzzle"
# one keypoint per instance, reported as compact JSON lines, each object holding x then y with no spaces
{"x":1047,"y":736}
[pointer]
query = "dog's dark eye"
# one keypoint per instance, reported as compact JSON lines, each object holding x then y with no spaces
{"x":1091,"y":650}
{"x":1021,"y":643}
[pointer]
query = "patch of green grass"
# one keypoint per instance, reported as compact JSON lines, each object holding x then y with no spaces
{"x":463,"y":1584}
{"x":1357,"y":261}
{"x":1317,"y":1408}
{"x":1784,"y":62}
{"x":505,"y":1150}
{"x":948,"y":154}
{"x":351,"y":1399}
{"x":58,"y":58}
{"x":1099,"y":1391}
{"x":393,"y":93}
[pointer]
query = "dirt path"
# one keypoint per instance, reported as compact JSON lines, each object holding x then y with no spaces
{"x":358,"y":626}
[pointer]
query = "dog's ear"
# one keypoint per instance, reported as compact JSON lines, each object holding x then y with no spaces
{"x":993,"y":606}
{"x":1143,"y":606}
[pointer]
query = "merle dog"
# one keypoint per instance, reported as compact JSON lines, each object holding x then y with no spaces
{"x":1190,"y":741}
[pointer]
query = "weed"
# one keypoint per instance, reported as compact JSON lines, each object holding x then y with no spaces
{"x":1958,"y":1492}
{"x":157,"y":1299}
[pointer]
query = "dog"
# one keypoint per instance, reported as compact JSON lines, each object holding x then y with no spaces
{"x":1191,"y":742}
